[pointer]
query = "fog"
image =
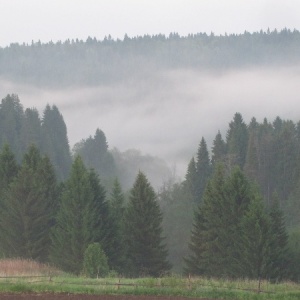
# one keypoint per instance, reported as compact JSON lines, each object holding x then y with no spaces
{"x":166,"y":114}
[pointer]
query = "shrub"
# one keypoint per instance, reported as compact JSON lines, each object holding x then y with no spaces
{"x":95,"y":261}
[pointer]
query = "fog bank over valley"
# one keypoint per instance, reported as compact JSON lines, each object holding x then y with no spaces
{"x":167,"y":113}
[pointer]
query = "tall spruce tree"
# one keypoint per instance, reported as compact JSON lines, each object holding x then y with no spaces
{"x":11,"y":122}
{"x":231,"y":233}
{"x":146,"y":249}
{"x":278,"y":259}
{"x":203,"y":169}
{"x":191,"y":181}
{"x":29,"y":208}
{"x":55,"y":141}
{"x":82,"y":219}
{"x":237,"y":141}
{"x":254,"y":242}
{"x":74,"y":229}
{"x":117,"y":213}
{"x":218,"y":150}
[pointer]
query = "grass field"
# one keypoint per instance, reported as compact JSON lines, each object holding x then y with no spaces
{"x":19,"y":276}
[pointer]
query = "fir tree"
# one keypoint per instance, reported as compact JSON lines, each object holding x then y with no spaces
{"x":203,"y":169}
{"x":74,"y":229}
{"x":218,"y":150}
{"x":278,"y":259}
{"x":146,"y":251}
{"x":254,"y":251}
{"x":55,"y":141}
{"x":237,"y":141}
{"x":29,"y":208}
{"x":117,"y":213}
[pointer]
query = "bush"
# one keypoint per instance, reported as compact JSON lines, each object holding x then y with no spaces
{"x":95,"y":261}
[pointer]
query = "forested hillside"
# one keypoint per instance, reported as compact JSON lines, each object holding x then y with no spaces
{"x":93,"y":62}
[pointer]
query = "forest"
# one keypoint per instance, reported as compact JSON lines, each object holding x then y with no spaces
{"x":235,"y":214}
{"x":93,"y":62}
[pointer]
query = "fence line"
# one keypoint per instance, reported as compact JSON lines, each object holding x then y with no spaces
{"x":188,"y":284}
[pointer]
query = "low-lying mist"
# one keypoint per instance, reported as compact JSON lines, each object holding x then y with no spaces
{"x":166,"y":114}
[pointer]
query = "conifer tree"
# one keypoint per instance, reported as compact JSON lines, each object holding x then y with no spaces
{"x":55,"y":141}
{"x":237,"y":141}
{"x":11,"y":121}
{"x":218,"y":150}
{"x":278,"y":259}
{"x":191,"y":181}
{"x":82,"y":219}
{"x":146,"y":249}
{"x":8,"y":169}
{"x":117,"y":213}
{"x":254,"y":242}
{"x":203,"y":169}
{"x":29,"y":208}
{"x":74,"y":229}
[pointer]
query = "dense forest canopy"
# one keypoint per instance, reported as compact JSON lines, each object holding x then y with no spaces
{"x":94,"y":62}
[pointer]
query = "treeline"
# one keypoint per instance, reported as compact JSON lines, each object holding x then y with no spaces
{"x":93,"y":62}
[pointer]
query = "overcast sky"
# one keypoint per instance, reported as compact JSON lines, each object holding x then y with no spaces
{"x":45,"y":20}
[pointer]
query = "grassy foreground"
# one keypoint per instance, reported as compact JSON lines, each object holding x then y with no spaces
{"x":45,"y":279}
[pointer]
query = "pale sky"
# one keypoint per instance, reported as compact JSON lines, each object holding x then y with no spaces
{"x":45,"y":20}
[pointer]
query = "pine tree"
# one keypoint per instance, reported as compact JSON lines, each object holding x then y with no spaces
{"x":146,"y":251}
{"x":29,"y":208}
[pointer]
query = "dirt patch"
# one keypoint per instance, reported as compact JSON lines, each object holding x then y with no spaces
{"x":66,"y":296}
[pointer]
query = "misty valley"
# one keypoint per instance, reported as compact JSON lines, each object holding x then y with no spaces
{"x":159,"y":155}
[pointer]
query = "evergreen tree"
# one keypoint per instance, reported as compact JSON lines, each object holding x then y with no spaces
{"x":83,"y":218}
{"x":254,"y":252}
{"x":237,"y":141}
{"x":117,"y":212}
{"x":203,"y":169}
{"x":29,"y":208}
{"x":224,"y":236}
{"x":74,"y":229}
{"x":278,"y":259}
{"x":191,"y":181}
{"x":55,"y":141}
{"x":251,"y":167}
{"x":146,"y":250}
{"x":31,"y":129}
{"x":218,"y":150}
{"x":206,"y":227}
{"x":8,"y":169}
{"x":94,"y":153}
{"x":11,"y":121}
